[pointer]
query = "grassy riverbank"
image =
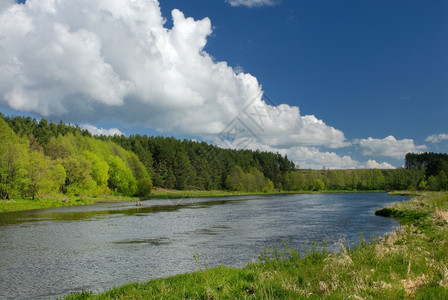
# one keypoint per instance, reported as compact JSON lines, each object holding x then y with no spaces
{"x":29,"y":204}
{"x":158,"y":193}
{"x":409,"y":263}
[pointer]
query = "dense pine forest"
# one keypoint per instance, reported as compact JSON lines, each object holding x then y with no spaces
{"x":435,"y":167}
{"x":45,"y":159}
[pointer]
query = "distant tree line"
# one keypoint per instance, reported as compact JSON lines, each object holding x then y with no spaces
{"x":41,"y":158}
{"x":187,"y":164}
{"x":433,"y":165}
{"x":352,"y":180}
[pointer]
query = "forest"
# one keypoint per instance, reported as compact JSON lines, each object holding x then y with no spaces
{"x":435,"y":167}
{"x":47,"y":159}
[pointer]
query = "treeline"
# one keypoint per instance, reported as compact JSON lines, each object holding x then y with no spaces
{"x":41,"y":158}
{"x":352,"y":180}
{"x":433,"y":165}
{"x":252,"y":181}
{"x":187,"y":164}
{"x":48,"y":159}
{"x":159,"y":161}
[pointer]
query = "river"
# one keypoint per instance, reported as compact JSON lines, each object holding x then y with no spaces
{"x":52,"y":252}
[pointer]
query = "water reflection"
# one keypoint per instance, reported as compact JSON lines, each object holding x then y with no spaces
{"x":99,"y":211}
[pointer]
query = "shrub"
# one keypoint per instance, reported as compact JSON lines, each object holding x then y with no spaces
{"x":144,"y":187}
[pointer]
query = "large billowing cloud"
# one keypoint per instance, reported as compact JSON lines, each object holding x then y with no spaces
{"x":88,"y":61}
{"x":91,"y":60}
{"x":314,"y":158}
{"x":389,"y":147}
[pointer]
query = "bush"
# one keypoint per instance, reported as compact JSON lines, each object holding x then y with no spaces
{"x":144,"y":187}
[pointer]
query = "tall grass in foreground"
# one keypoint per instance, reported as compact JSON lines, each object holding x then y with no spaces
{"x":411,"y":262}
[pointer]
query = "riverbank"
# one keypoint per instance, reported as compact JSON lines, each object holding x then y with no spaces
{"x":43,"y":203}
{"x":411,"y":262}
{"x":157,"y":193}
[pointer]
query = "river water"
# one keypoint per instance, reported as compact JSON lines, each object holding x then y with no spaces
{"x":49,"y":253}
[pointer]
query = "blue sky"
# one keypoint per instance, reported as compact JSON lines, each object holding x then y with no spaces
{"x":367,"y":67}
{"x":347,"y":84}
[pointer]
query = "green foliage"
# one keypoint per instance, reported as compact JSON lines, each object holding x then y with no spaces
{"x":253,"y":181}
{"x":352,"y":180}
{"x":194,"y":165}
{"x":89,"y":162}
{"x":37,"y":172}
{"x":144,"y":187}
{"x":121,"y":179}
{"x":13,"y":163}
{"x":48,"y":159}
{"x":99,"y":169}
{"x":57,"y":178}
{"x":235,"y":180}
{"x":434,"y":166}
{"x":78,"y":177}
{"x":405,"y":216}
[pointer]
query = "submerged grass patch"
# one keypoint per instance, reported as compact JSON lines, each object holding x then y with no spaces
{"x":411,"y":262}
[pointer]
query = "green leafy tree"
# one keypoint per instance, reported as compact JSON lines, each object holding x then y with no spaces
{"x":443,"y":181}
{"x":235,"y":180}
{"x":170,"y":179}
{"x":319,"y":185}
{"x":58,"y":177}
{"x":121,"y":179}
{"x":37,"y":172}
{"x":13,"y":163}
{"x":78,"y":180}
{"x":144,"y":187}
{"x":99,"y":171}
{"x":433,"y":183}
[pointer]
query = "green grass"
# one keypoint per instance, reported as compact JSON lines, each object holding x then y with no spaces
{"x":41,"y":203}
{"x":410,"y":263}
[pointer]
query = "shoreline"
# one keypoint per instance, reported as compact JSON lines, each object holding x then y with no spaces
{"x":16,"y":205}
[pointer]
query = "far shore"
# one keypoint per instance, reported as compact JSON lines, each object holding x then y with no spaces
{"x":157,"y":193}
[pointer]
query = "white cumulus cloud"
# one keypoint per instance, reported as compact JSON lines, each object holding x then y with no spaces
{"x":437,"y":138}
{"x":313,"y":158}
{"x":90,"y":60}
{"x":308,"y":157}
{"x":101,"y":131}
{"x":373,"y":164}
{"x":389,"y":147}
{"x":251,"y":3}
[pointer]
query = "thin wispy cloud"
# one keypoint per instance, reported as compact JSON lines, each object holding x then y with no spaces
{"x":437,"y":138}
{"x":101,"y":131}
{"x":251,"y":3}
